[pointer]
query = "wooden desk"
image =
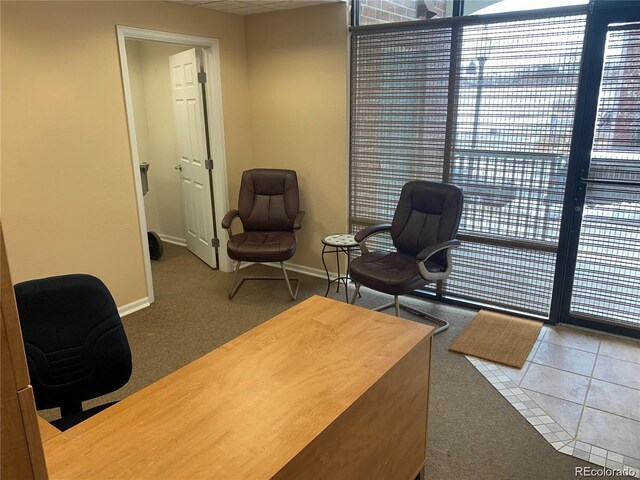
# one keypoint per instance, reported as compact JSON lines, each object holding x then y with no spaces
{"x":21,"y":453}
{"x":47,"y":431}
{"x":324,"y":390}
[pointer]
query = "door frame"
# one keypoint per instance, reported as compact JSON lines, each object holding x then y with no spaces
{"x":211,"y":65}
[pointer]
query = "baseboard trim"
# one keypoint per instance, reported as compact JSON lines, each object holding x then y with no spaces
{"x":133,"y":306}
{"x":174,"y":240}
{"x":312,"y":272}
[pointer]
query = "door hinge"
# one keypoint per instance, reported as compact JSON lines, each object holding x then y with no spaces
{"x":208,"y":164}
{"x":202,"y":77}
{"x":215,"y":242}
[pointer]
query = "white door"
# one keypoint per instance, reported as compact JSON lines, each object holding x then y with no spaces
{"x":192,"y":152}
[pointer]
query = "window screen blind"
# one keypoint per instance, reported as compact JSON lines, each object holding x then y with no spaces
{"x":488,"y":107}
{"x":399,"y":114}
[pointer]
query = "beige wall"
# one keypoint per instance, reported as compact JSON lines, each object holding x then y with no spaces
{"x":156,"y":135}
{"x":68,"y":198}
{"x":67,"y":193}
{"x":298,"y":98}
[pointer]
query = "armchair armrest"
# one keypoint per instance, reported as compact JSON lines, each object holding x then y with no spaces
{"x":228,"y":218}
{"x":297,"y":222}
{"x":430,"y":250}
{"x":362,"y":235}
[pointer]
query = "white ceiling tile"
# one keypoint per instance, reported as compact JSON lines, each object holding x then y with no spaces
{"x":218,"y":4}
{"x":286,"y":5}
{"x":222,"y":6}
{"x":211,"y":3}
{"x":248,"y":10}
{"x":263,"y":3}
{"x":248,"y":7}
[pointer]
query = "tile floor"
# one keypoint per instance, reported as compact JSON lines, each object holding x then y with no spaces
{"x":581,"y":391}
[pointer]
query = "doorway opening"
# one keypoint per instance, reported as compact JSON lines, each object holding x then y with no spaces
{"x":174,"y":111}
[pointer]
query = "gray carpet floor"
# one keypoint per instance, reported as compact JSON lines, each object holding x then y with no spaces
{"x":474,"y":433}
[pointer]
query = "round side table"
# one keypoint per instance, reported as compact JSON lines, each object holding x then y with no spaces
{"x":338,"y":243}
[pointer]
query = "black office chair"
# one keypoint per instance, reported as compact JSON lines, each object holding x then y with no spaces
{"x":423,"y":231}
{"x":75,"y":344}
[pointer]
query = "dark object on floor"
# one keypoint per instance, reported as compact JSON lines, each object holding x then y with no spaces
{"x":155,"y":243}
{"x":155,"y":246}
{"x":75,"y":344}
{"x":268,"y":207}
{"x":423,"y":231}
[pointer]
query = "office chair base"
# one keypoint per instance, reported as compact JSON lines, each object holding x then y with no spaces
{"x":236,"y":285}
{"x":441,"y":325}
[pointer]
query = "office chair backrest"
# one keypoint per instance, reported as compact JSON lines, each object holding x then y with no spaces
{"x":268,"y":199}
{"x":427,"y":213}
{"x":75,"y":344}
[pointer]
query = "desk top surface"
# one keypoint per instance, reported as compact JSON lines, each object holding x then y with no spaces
{"x":245,"y":409}
{"x":47,"y":431}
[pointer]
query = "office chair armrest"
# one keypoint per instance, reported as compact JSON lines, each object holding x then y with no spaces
{"x":365,"y":233}
{"x":430,"y":250}
{"x":362,"y":235}
{"x":297,"y":222}
{"x":228,"y":218}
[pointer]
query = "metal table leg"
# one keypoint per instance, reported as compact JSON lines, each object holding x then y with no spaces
{"x":338,"y":265}
{"x":326,"y":270}
{"x":346,"y":276}
{"x":344,"y":279}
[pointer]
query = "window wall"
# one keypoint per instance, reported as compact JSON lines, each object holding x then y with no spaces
{"x":487,"y":102}
{"x":489,"y":108}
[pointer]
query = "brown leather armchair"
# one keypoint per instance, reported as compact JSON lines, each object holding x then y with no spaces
{"x":423,"y":231}
{"x":268,"y":207}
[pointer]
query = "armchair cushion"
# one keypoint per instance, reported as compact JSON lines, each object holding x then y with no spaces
{"x":268,"y":199}
{"x":390,"y":272}
{"x":427,"y":213}
{"x":262,"y":246}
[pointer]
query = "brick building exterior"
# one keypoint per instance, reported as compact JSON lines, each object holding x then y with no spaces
{"x":388,"y":11}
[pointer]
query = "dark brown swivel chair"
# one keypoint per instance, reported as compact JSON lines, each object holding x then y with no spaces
{"x":423,"y":231}
{"x":268,"y":207}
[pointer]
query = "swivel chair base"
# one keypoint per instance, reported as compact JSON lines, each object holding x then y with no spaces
{"x":442,"y":325}
{"x":236,"y":285}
